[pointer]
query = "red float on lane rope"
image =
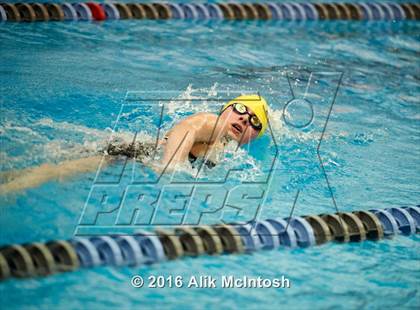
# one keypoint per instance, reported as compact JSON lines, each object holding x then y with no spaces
{"x":98,"y":12}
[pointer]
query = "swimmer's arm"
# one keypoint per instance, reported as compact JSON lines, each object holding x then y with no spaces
{"x":179,"y":142}
{"x":34,"y":177}
{"x":183,"y":136}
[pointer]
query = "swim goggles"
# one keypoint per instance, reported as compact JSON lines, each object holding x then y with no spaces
{"x":253,"y":119}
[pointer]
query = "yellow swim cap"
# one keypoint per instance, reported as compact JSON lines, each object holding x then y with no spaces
{"x":257,"y":104}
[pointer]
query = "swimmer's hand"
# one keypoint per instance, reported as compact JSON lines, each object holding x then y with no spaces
{"x":156,"y":167}
{"x":160,"y":169}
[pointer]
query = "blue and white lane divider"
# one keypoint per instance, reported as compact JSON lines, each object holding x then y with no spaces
{"x":109,"y":251}
{"x":250,"y":237}
{"x":131,"y":250}
{"x":415,"y":214}
{"x":303,"y":230}
{"x":287,"y":235}
{"x":3,"y":15}
{"x":146,"y":248}
{"x":70,"y":13}
{"x":388,"y":222}
{"x":149,"y":247}
{"x":83,"y":11}
{"x":294,"y":11}
{"x":177,"y":11}
{"x":214,"y":11}
{"x":268,"y":235}
{"x":406,"y":223}
{"x":86,"y":252}
{"x":111,"y":12}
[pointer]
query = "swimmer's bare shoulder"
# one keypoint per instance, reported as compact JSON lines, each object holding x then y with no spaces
{"x":202,"y":124}
{"x":199,"y":118}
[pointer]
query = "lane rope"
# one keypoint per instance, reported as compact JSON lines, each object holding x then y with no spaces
{"x":290,"y":11}
{"x":41,"y":259}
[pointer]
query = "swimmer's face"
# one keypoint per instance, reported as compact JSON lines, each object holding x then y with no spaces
{"x":237,"y":125}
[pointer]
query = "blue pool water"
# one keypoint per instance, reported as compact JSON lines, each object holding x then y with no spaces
{"x":62,"y":88}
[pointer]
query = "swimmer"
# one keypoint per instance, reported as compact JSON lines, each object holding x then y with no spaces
{"x":202,"y":135}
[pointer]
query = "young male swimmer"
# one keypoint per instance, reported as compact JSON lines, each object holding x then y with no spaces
{"x":202,"y":135}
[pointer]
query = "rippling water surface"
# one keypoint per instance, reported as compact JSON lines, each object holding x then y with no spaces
{"x":61,"y":92}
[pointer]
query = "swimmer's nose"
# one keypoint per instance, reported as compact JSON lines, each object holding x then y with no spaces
{"x":244,"y":120}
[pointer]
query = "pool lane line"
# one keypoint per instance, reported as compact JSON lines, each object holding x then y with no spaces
{"x":291,"y":11}
{"x":142,"y":248}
